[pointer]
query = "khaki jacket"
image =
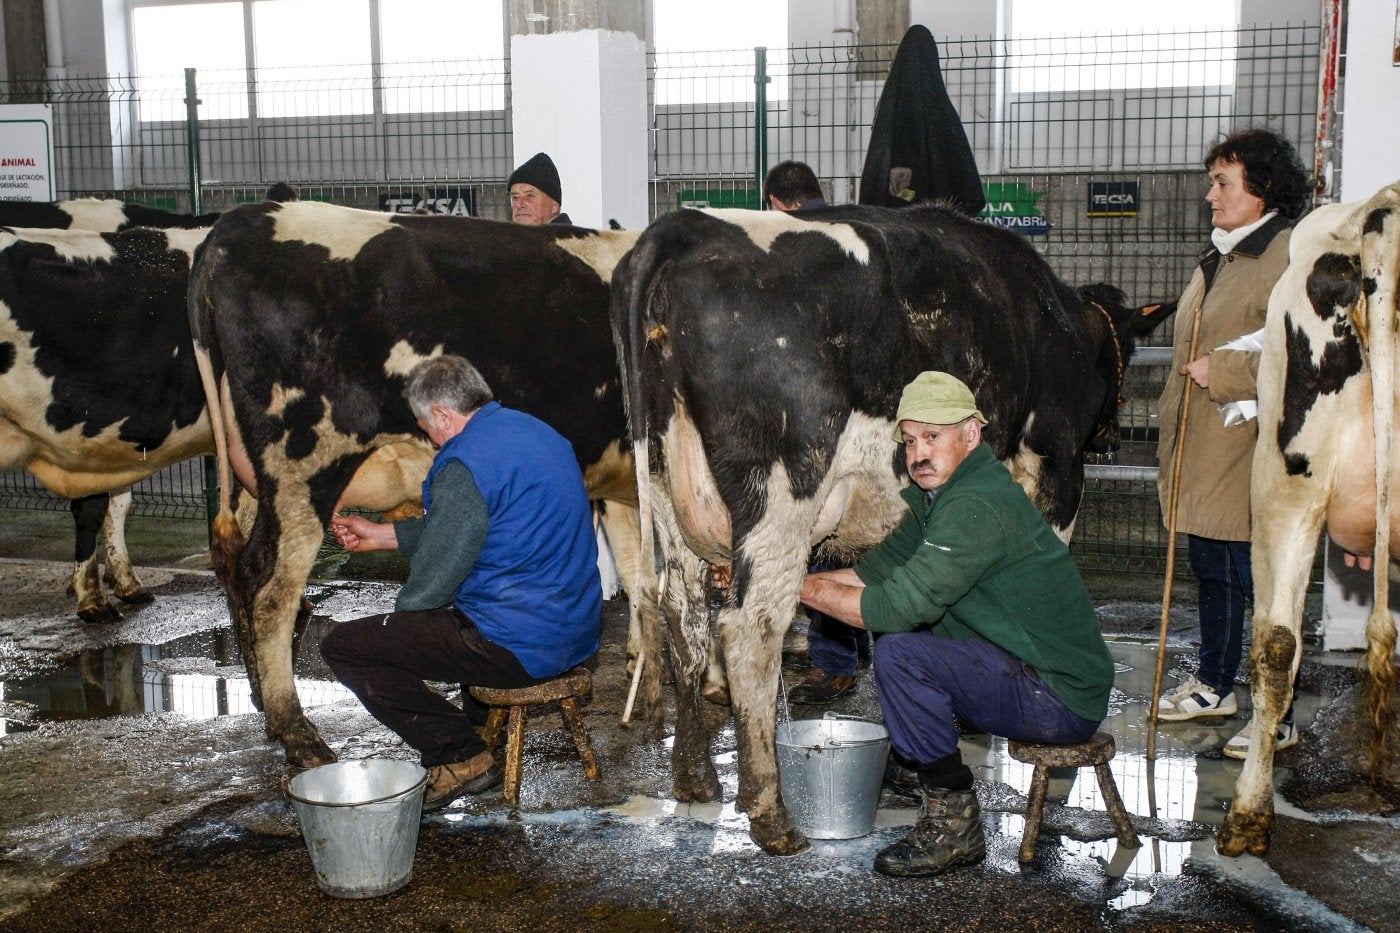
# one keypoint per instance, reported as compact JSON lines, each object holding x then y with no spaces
{"x":1213,"y":500}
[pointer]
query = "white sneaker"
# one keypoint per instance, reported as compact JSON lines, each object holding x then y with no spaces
{"x":1238,"y":746}
{"x":1192,"y":699}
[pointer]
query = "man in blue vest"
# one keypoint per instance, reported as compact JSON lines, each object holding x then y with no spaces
{"x":503,"y":587}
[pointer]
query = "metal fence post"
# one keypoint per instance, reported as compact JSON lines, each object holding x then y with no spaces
{"x":211,"y":478}
{"x":760,"y":121}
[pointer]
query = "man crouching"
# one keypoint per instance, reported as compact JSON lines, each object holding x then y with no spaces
{"x":980,"y":613}
{"x":503,"y":587}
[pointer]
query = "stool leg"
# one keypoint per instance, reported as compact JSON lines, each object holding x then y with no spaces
{"x":580,"y":731}
{"x":492,"y":730}
{"x":1127,"y":836}
{"x":1035,"y":805}
{"x":515,"y":752}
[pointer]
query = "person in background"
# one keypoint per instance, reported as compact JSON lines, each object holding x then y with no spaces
{"x":984,"y":618}
{"x":1257,"y":189}
{"x":535,"y":194}
{"x":503,"y":586}
{"x":792,"y":186}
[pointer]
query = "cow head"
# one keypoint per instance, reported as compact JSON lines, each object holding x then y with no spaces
{"x":1119,"y":327}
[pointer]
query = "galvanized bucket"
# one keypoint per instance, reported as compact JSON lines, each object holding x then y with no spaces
{"x":360,"y":822}
{"x":830,"y":771}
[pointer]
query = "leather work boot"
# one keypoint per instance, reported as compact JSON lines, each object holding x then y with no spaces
{"x":948,"y":834}
{"x":448,"y":782}
{"x":820,"y":687}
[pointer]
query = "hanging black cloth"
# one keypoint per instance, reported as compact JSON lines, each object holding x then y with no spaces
{"x":918,"y":148}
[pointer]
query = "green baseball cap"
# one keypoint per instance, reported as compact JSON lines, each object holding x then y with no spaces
{"x":936,"y":398}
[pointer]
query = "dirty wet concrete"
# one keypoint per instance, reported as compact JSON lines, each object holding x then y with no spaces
{"x":138,"y":792}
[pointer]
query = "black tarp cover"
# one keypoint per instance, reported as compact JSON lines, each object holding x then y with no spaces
{"x":917,"y":128}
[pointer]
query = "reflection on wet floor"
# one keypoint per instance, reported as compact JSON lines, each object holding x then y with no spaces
{"x":1177,"y":801}
{"x":199,"y":676}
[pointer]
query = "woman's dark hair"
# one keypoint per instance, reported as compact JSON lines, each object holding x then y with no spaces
{"x":1272,"y":170}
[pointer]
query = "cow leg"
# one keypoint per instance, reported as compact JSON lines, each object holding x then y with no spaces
{"x":120,"y":574}
{"x":1284,"y":543}
{"x":682,"y":605}
{"x":270,"y":577}
{"x":620,"y":524}
{"x":752,"y":643}
{"x":752,"y":638}
{"x":93,"y":606}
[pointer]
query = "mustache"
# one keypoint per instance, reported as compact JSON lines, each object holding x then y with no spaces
{"x":920,"y":464}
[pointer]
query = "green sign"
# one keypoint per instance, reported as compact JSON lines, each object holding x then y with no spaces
{"x":1013,"y":204}
{"x":718,"y":197}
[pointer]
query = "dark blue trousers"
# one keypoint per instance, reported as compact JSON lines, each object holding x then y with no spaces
{"x":924,"y":679}
{"x":1225,"y":585}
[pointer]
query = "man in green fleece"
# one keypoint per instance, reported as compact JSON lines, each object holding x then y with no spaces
{"x":981,"y":613}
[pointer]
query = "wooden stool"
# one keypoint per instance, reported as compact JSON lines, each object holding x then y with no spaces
{"x":566,"y":689}
{"x":1097,"y":751}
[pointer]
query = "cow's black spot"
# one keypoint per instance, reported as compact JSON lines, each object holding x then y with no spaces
{"x":1297,"y":465}
{"x":7,"y":357}
{"x":300,"y":418}
{"x":1304,"y":382}
{"x":1375,"y":221}
{"x":1334,"y":282}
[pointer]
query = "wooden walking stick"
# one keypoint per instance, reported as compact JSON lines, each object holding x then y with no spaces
{"x":1174,"y":490}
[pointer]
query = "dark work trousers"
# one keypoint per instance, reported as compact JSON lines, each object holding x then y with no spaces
{"x":1225,"y":584}
{"x":924,"y":679}
{"x":385,"y":659}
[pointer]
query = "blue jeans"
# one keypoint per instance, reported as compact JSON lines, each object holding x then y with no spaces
{"x":833,"y":645}
{"x":924,"y":679}
{"x":1226,"y":585}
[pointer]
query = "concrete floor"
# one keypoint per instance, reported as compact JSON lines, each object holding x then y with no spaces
{"x":129,"y":756}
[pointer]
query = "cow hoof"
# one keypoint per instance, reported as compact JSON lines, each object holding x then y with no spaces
{"x":1244,"y":832}
{"x":100,"y":615}
{"x":305,"y":748}
{"x":718,"y":694}
{"x":692,"y":789}
{"x":137,"y":597}
{"x":776,"y":835}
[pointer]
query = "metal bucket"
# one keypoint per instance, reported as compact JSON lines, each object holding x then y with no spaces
{"x":360,"y":822}
{"x":831,"y":771}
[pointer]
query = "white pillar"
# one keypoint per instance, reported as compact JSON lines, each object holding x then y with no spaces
{"x":581,"y":97}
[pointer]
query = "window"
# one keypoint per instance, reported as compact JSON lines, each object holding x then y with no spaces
{"x":1084,"y":45}
{"x":312,"y":57}
{"x":168,"y":39}
{"x":418,"y":37}
{"x":726,"y":32}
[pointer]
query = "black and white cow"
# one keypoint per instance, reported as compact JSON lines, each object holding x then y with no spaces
{"x":108,"y":509}
{"x":764,"y":355}
{"x":98,"y":385}
{"x":306,"y":320}
{"x":1327,"y":403}
{"x":104,"y":215}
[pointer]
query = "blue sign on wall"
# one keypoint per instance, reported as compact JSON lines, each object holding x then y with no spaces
{"x":460,"y":202}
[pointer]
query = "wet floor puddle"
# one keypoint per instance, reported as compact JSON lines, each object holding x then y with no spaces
{"x":199,"y":676}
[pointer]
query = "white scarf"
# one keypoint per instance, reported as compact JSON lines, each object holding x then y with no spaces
{"x":1227,"y":240}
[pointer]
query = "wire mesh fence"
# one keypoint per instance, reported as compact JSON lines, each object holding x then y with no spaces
{"x":1051,"y":123}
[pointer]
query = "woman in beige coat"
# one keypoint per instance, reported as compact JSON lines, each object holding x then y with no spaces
{"x":1257,"y":189}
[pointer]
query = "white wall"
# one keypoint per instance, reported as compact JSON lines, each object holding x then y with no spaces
{"x":1370,"y":100}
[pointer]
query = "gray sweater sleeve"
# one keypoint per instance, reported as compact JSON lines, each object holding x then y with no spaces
{"x":443,"y":545}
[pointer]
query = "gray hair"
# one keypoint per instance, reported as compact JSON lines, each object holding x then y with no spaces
{"x":449,"y":381}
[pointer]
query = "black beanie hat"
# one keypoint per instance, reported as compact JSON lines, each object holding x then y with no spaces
{"x":540,"y":172}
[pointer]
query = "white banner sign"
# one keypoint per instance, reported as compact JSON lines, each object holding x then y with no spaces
{"x":26,"y":152}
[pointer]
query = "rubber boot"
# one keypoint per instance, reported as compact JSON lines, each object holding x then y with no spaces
{"x":948,"y":834}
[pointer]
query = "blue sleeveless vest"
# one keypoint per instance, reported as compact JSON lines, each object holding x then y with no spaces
{"x":535,"y":586}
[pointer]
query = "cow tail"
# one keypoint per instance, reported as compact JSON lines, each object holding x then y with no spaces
{"x":628,"y":313}
{"x":227,"y":538}
{"x":1380,"y":264}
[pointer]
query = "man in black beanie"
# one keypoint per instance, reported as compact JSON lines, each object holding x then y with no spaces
{"x":535,"y":193}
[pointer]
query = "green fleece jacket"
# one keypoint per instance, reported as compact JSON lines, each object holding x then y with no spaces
{"x":979,"y":561}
